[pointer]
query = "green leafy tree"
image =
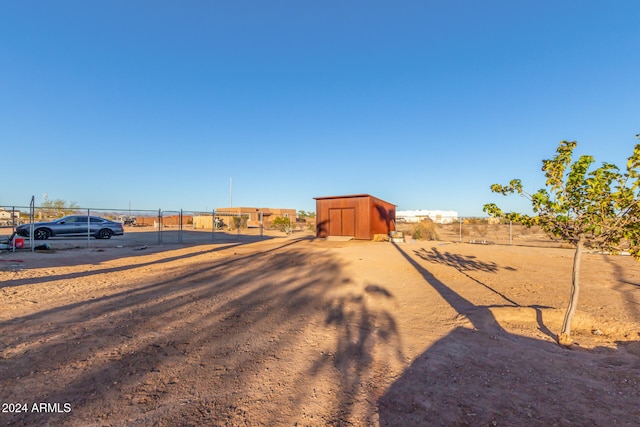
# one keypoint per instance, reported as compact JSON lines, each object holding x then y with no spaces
{"x":589,"y":208}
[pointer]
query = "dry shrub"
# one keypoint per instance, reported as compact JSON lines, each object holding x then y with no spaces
{"x":424,"y":230}
{"x":479,"y":229}
{"x":236,"y":222}
{"x":524,"y":231}
{"x":454,"y":228}
{"x":380,"y":238}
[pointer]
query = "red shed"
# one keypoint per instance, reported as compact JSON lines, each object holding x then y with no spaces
{"x":359,"y":216}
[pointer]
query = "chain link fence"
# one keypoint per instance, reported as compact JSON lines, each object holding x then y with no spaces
{"x":147,"y":227}
{"x":141,"y":227}
{"x":482,"y":231}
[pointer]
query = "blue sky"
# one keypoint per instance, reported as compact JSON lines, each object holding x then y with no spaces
{"x":425,"y":104}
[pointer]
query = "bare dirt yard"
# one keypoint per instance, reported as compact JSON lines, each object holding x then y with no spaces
{"x":299,"y":331}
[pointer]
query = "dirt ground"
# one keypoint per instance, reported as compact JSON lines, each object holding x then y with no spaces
{"x":311,"y":332}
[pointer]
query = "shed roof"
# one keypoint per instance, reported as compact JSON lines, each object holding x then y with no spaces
{"x":350,"y":196}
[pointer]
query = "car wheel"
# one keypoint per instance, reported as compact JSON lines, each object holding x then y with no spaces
{"x":105,"y":234}
{"x":41,"y":234}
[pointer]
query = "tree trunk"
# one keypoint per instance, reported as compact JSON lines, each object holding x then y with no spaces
{"x":565,"y":335}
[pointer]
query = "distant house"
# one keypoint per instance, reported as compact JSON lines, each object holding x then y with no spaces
{"x":360,"y":216}
{"x":252,"y":215}
{"x":439,"y":217}
{"x":5,"y":214}
{"x":5,"y":217}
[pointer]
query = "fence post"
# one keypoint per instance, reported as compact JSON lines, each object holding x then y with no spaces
{"x":510,"y":233}
{"x":159,"y":226}
{"x":12,"y":242}
{"x":88,"y":228}
{"x":32,"y":214}
{"x":180,"y":225}
{"x":261,"y":226}
{"x":213,"y":225}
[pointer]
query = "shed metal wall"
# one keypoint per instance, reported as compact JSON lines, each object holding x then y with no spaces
{"x":383,"y":217}
{"x":360,"y":216}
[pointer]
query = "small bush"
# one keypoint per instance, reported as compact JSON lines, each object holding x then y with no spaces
{"x":238,"y":222}
{"x":479,"y":229}
{"x":282,"y":224}
{"x":424,"y":230}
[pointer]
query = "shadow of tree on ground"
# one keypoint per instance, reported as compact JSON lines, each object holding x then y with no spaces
{"x":488,"y":376}
{"x":464,"y":265}
{"x":218,"y":342}
{"x":159,"y":257}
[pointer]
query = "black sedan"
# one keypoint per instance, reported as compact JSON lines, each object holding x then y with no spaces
{"x":73,"y":226}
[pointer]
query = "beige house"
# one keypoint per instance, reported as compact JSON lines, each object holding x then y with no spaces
{"x":5,"y":217}
{"x":253,"y":214}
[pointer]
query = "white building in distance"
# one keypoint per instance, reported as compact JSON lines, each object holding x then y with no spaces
{"x":439,"y":217}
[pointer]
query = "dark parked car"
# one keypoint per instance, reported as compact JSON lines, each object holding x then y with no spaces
{"x":73,"y":226}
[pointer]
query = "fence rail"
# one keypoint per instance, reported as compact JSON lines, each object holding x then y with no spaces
{"x":192,"y":226}
{"x":481,"y":231}
{"x":148,"y":226}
